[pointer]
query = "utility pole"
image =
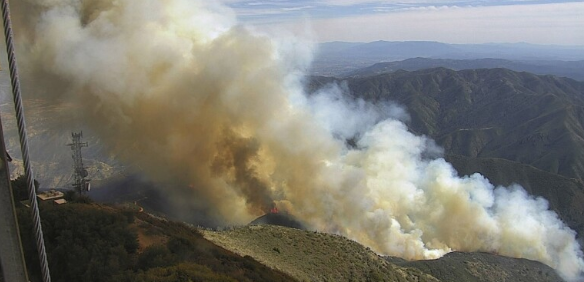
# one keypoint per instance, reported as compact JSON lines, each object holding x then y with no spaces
{"x":11,"y":255}
{"x":80,"y":182}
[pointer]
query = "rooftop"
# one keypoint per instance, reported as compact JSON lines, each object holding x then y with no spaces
{"x":49,"y":195}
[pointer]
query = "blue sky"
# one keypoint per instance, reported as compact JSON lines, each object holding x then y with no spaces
{"x":462,"y":21}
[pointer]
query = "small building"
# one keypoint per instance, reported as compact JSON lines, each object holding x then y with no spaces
{"x":60,"y":201}
{"x":50,"y":195}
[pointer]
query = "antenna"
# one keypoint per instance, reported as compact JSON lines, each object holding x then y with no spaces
{"x":81,"y":183}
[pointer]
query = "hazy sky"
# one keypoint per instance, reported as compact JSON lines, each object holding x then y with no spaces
{"x":460,"y":21}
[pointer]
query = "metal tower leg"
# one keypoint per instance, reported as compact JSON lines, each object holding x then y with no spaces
{"x":11,"y":254}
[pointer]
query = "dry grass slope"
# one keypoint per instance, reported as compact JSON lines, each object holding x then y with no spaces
{"x":485,"y":267}
{"x":312,"y":256}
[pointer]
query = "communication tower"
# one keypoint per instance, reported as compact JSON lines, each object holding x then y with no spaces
{"x":81,"y":183}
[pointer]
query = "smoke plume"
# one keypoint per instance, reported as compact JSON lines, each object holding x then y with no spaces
{"x":216,"y":111}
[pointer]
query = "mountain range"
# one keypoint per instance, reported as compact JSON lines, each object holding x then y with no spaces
{"x":412,"y":49}
{"x":343,"y":58}
{"x":536,"y":120}
{"x":569,"y":69}
{"x":513,"y":127}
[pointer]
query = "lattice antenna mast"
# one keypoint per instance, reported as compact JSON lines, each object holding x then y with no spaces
{"x":81,"y":183}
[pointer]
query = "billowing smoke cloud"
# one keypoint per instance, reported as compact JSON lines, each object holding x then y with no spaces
{"x":211,"y":108}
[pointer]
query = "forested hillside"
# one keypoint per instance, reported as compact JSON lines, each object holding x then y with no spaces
{"x":513,"y":127}
{"x":90,"y":242}
{"x":531,"y":119}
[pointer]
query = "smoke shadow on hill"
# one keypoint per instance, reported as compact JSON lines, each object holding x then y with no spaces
{"x":281,"y":219}
{"x":137,"y":189}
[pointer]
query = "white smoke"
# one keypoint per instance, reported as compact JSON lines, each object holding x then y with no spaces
{"x":346,"y":117}
{"x":177,"y":88}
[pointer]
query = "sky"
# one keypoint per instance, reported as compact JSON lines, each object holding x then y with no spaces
{"x":460,"y":21}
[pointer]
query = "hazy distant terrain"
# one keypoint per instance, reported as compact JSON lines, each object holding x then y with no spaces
{"x":344,"y":58}
{"x":569,"y":69}
{"x":49,"y":131}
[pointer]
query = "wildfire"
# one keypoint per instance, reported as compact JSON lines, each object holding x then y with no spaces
{"x":274,"y":210}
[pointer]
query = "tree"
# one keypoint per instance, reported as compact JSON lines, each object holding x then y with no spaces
{"x":20,"y":188}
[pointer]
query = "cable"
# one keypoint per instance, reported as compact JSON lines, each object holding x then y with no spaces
{"x":40,"y":242}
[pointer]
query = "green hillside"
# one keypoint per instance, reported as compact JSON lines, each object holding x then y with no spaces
{"x":91,"y":242}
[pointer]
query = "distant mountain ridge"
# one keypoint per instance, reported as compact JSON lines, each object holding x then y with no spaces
{"x":340,"y":58}
{"x":412,"y":49}
{"x":388,"y":49}
{"x":569,"y":69}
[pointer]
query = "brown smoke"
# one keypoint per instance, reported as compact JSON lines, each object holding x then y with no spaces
{"x":235,"y":163}
{"x":178,"y":112}
{"x":178,"y":90}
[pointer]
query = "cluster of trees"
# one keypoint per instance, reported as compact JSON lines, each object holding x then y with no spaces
{"x":20,"y":189}
{"x":90,"y":242}
{"x":82,"y":243}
